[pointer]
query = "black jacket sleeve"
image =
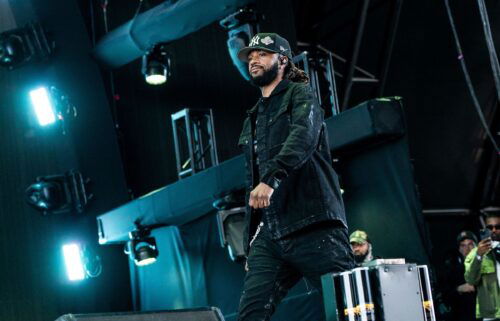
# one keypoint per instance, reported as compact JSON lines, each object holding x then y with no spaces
{"x":305,"y":127}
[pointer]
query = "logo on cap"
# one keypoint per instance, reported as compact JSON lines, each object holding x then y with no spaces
{"x":254,"y":41}
{"x":267,"y":41}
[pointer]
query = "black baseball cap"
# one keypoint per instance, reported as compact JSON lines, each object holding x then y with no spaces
{"x":269,"y":42}
{"x":466,"y":235}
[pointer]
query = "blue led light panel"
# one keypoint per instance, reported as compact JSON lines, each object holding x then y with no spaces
{"x":40,"y":99}
{"x":73,"y":261}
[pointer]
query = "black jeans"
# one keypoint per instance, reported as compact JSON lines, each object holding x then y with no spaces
{"x":275,"y":266}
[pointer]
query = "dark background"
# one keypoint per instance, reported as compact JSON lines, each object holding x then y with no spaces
{"x":124,"y":143}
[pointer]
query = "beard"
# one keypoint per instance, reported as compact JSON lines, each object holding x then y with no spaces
{"x":266,"y":77}
{"x":360,"y":258}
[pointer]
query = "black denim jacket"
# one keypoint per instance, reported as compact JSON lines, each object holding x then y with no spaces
{"x":294,"y":159}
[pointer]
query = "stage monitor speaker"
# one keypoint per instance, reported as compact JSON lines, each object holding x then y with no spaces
{"x":370,"y":123}
{"x":386,"y":292}
{"x":201,"y":314}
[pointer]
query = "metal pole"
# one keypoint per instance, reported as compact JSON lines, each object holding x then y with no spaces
{"x":315,"y":83}
{"x":199,"y":140}
{"x":213,"y":142}
{"x":355,"y":52}
{"x":387,"y":54}
{"x":176,"y":144}
{"x":190,"y":141}
{"x":333,"y":87}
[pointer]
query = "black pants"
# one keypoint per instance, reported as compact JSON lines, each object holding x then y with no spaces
{"x":275,"y":266}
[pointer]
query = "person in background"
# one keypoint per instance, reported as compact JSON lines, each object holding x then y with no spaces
{"x":459,"y":295}
{"x":482,"y":270}
{"x":361,"y":247}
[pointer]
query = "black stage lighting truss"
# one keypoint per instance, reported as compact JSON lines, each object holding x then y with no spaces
{"x":194,"y":141}
{"x":351,"y":73}
{"x":318,"y":65}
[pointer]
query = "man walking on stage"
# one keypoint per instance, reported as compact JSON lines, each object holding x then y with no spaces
{"x":296,"y":224}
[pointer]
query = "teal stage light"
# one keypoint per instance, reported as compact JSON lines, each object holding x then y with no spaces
{"x":142,"y":247}
{"x":59,"y":194}
{"x":73,"y":261}
{"x":51,"y":105}
{"x":24,"y":45}
{"x":81,"y":262}
{"x":156,"y":65}
{"x":42,"y":104}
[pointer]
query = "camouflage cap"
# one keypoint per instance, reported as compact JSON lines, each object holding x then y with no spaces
{"x":358,"y":237}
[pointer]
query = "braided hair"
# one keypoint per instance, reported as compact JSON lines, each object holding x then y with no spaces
{"x":295,"y":74}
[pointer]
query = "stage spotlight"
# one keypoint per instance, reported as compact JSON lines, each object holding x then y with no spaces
{"x":22,"y":45}
{"x":59,"y":193}
{"x":81,"y":262}
{"x":156,"y":65}
{"x":241,"y":27}
{"x":146,"y":252}
{"x":142,"y":247}
{"x":73,"y":261}
{"x":47,"y":196}
{"x":51,"y":105}
{"x":12,"y":50}
{"x":42,"y":104}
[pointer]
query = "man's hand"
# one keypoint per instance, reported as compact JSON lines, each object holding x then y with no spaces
{"x":466,"y":288}
{"x":484,"y":246}
{"x":260,"y":197}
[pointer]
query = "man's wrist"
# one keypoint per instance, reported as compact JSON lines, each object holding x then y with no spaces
{"x":272,"y":182}
{"x":272,"y":179}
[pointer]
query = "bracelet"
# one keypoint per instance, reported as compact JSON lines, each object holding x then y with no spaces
{"x":479,"y":257}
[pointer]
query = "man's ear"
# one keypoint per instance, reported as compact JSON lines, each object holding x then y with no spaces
{"x":283,"y":61}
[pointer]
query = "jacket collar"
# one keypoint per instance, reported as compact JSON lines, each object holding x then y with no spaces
{"x":279,"y":88}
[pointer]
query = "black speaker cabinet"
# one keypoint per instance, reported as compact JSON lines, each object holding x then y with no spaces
{"x":372,"y":122}
{"x":201,"y":314}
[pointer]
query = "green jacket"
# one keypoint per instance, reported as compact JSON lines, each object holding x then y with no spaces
{"x":482,"y":274}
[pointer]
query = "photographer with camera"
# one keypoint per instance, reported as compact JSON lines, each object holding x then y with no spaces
{"x":482,"y":269}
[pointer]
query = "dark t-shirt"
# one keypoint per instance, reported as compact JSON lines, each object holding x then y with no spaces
{"x":463,"y":306}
